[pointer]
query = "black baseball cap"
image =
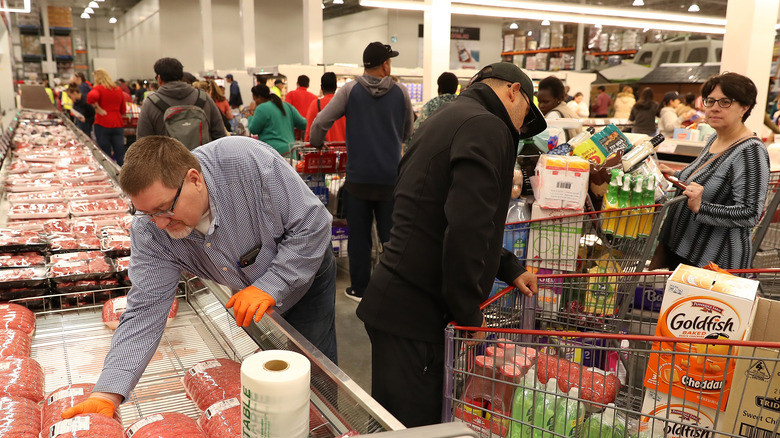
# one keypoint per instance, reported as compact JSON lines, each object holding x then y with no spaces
{"x":376,"y":53}
{"x":534,"y":122}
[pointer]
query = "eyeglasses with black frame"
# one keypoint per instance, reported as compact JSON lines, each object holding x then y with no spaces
{"x":723,"y":102}
{"x":163,"y":214}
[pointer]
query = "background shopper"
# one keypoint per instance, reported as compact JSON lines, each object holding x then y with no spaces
{"x":273,"y":120}
{"x":624,"y":101}
{"x":643,"y":113}
{"x":727,"y":185}
{"x":337,"y":132}
{"x":109,"y":103}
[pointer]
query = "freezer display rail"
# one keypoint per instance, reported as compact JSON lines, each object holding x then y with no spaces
{"x":607,"y":362}
{"x":71,"y":342}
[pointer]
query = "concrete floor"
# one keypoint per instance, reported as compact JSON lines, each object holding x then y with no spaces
{"x":353,"y":344}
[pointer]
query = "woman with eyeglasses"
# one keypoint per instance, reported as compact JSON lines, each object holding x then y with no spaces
{"x":726,"y":185}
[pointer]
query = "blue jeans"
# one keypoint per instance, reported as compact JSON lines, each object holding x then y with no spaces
{"x":360,"y":217}
{"x":314,"y":316}
{"x":112,"y":142}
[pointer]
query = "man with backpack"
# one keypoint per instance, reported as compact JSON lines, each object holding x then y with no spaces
{"x":178,"y":110}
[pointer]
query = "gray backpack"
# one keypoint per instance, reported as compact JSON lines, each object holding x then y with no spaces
{"x":186,"y":123}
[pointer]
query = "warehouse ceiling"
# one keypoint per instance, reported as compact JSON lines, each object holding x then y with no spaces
{"x":708,"y":7}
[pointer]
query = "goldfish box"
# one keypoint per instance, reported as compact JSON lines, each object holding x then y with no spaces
{"x":699,"y":304}
{"x":681,"y":419}
{"x":754,"y":409}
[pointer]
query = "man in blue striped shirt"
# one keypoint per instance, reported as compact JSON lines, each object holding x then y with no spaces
{"x":232,"y":211}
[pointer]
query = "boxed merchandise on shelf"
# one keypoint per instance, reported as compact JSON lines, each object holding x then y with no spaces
{"x":63,"y":45}
{"x":60,"y":16}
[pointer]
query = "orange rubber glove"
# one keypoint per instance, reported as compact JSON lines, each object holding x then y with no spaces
{"x":250,"y":302}
{"x":92,"y":405}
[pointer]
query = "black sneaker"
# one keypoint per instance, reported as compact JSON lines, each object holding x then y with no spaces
{"x":353,"y":295}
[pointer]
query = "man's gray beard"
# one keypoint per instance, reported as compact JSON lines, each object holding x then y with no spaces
{"x":181,"y":234}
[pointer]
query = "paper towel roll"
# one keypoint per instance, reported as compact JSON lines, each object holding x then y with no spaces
{"x":275,"y":394}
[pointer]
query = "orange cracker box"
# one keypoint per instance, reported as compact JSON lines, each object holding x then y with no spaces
{"x":685,"y":419}
{"x":699,"y":304}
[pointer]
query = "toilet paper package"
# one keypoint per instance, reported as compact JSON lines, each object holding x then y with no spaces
{"x":275,"y":394}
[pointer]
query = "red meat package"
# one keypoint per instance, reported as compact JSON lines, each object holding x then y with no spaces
{"x":21,"y":418}
{"x":213,"y":380}
{"x":114,"y":308}
{"x":16,"y":239}
{"x":100,"y":192}
{"x":22,"y":277}
{"x":14,"y":343}
{"x":21,"y":260}
{"x":98,"y":206}
{"x":222,"y":419}
{"x":16,"y":317}
{"x":79,"y":266}
{"x":21,"y":377}
{"x":85,"y":426}
{"x":38,"y":211}
{"x":165,"y":425}
{"x":116,"y":245}
{"x":32,"y":197}
{"x":71,"y":242}
{"x":64,"y":398}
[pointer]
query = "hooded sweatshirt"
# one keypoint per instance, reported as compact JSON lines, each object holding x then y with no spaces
{"x":379,"y":118}
{"x":151,"y":121}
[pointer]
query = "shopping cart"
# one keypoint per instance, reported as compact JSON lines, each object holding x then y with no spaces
{"x":485,"y":383}
{"x":766,"y":235}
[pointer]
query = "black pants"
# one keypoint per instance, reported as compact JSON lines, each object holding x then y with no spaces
{"x":407,"y":377}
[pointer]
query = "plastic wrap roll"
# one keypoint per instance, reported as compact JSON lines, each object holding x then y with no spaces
{"x":222,"y":419}
{"x":165,"y":425}
{"x":64,"y":398}
{"x":20,"y":418}
{"x":213,"y":380}
{"x":16,"y":317}
{"x":275,"y":395}
{"x":21,"y":377}
{"x":14,"y":343}
{"x":85,"y":426}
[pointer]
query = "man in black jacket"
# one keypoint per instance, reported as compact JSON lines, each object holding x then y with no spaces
{"x":444,"y":251}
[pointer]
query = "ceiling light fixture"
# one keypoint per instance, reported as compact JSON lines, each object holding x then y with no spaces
{"x":594,"y":16}
{"x":112,"y":20}
{"x":638,"y":3}
{"x":514,"y":26}
{"x":93,"y":5}
{"x":89,"y":10}
{"x":545,"y":22}
{"x":338,"y":2}
{"x":693,"y":8}
{"x":596,"y":10}
{"x":530,"y":33}
{"x":85,"y":16}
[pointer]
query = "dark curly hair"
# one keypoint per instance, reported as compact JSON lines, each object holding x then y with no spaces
{"x":736,"y":87}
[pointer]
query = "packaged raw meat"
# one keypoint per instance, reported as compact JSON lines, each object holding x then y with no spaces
{"x":213,"y":380}
{"x":15,"y":240}
{"x":92,"y":192}
{"x":85,"y":426}
{"x":64,"y":398}
{"x":21,"y":418}
{"x":72,"y":266}
{"x":165,"y":425}
{"x":30,"y":197}
{"x":21,"y":377}
{"x":38,"y":210}
{"x":22,"y":277}
{"x":67,"y":287}
{"x":222,"y":419}
{"x":21,"y":260}
{"x":98,"y":206}
{"x":114,"y":308}
{"x":121,"y":264}
{"x":33,"y":185}
{"x":115,"y":245}
{"x":71,"y":242}
{"x":57,"y":226}
{"x":14,"y":343}
{"x":35,"y":225}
